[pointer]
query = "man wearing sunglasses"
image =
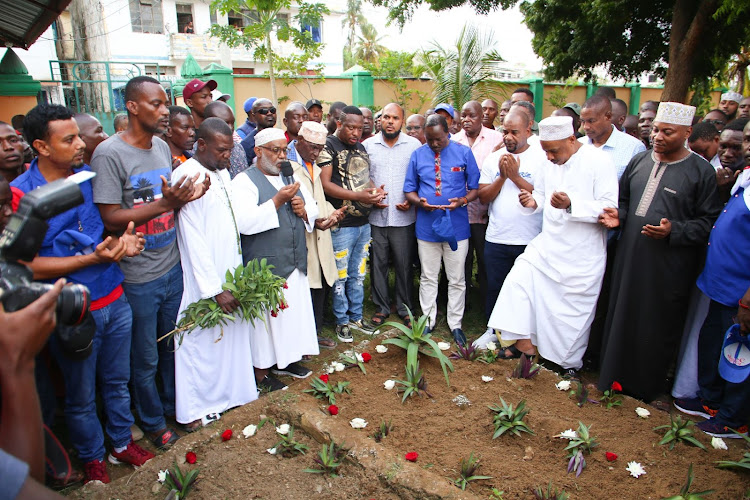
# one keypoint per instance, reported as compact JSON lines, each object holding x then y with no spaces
{"x":263,"y":113}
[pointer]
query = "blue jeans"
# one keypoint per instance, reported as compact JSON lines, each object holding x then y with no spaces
{"x":155,"y":308}
{"x":733,"y":400}
{"x":109,"y":365}
{"x":351,"y":247}
{"x":498,"y":260}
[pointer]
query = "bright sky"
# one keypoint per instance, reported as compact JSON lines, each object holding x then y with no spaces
{"x":512,"y":36}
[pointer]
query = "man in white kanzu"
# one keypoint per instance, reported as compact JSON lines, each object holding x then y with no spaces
{"x":211,"y":375}
{"x":549,"y":296}
{"x":273,"y":213}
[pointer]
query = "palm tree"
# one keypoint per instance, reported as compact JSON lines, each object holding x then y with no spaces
{"x":463,"y":72}
{"x":369,"y":49}
{"x":352,"y":19}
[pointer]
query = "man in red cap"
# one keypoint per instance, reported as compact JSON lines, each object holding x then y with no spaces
{"x":197,"y":95}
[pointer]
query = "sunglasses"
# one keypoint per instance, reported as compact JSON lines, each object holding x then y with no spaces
{"x":275,"y":150}
{"x":716,"y":122}
{"x":265,"y":111}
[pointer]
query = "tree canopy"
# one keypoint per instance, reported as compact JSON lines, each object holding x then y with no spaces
{"x":626,"y":37}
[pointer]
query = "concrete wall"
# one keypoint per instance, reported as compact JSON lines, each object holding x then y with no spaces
{"x":11,"y":106}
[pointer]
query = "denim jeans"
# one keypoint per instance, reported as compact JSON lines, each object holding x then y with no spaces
{"x":155,"y":308}
{"x":350,"y":247}
{"x":733,"y":400}
{"x":499,"y":260}
{"x":109,"y":366}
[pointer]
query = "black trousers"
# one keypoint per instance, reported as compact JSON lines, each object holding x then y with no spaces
{"x":476,"y":245}
{"x":318,"y":296}
{"x":398,"y":245}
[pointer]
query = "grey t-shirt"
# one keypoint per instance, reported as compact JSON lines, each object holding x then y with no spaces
{"x":13,"y":473}
{"x":129,"y":177}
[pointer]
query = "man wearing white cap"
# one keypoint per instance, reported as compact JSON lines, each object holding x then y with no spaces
{"x":321,"y":264}
{"x":548,"y":298}
{"x":668,"y":204}
{"x":729,"y":103}
{"x":273,"y":214}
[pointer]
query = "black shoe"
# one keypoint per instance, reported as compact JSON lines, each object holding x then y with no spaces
{"x":164,"y":439}
{"x":270,"y":384}
{"x":459,"y":337}
{"x":295,"y":370}
{"x":571,"y":374}
{"x":343,"y":333}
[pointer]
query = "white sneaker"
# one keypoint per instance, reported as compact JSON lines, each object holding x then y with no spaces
{"x":487,"y":337}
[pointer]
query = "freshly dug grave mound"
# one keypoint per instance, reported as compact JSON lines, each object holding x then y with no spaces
{"x":442,"y":433}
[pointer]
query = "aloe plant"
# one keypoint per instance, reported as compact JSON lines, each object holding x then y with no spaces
{"x":329,"y":459}
{"x":469,"y":467}
{"x":685,"y":493}
{"x":549,"y":493}
{"x":321,"y":389}
{"x":416,"y":339}
{"x":582,"y":444}
{"x":287,"y":446}
{"x":742,"y":463}
{"x":180,"y":482}
{"x":414,"y":383}
{"x":526,"y":368}
{"x":679,"y":431}
{"x":507,"y":418}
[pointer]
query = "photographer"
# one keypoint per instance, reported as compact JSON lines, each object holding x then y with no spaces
{"x":73,"y":247}
{"x":22,"y":335}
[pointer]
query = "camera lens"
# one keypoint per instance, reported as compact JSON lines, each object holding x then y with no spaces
{"x":73,"y":304}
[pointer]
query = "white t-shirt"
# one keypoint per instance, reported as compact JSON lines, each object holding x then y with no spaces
{"x":508,"y":225}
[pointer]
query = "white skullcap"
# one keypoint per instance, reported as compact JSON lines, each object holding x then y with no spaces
{"x":269,"y":134}
{"x":731,"y":96}
{"x":314,"y":132}
{"x":675,"y":113}
{"x":555,"y":128}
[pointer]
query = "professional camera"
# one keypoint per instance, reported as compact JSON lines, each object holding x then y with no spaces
{"x":21,"y":240}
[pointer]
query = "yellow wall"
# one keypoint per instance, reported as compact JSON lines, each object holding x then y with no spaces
{"x":11,"y":106}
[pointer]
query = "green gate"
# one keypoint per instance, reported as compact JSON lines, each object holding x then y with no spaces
{"x":98,"y":87}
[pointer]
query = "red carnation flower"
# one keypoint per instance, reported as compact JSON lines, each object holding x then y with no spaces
{"x":191,"y":457}
{"x":333,"y":410}
{"x":274,"y":313}
{"x":366,"y":357}
{"x":411,"y":456}
{"x":324,"y":378}
{"x":611,"y":457}
{"x":616,"y":386}
{"x":226,"y":435}
{"x":283,"y":306}
{"x":285,"y":286}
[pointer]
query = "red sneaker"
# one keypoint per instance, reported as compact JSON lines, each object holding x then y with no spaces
{"x":133,"y":455}
{"x":96,"y":470}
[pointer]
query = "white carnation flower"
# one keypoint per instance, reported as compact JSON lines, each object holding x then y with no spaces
{"x":249,"y":431}
{"x":642,"y":412}
{"x":491,"y":346}
{"x":635,"y":469}
{"x":283,"y":429}
{"x":162,"y":476}
{"x":718,"y":444}
{"x":444,"y":346}
{"x":486,"y":378}
{"x":358,"y":423}
{"x":381,"y":349}
{"x":563,"y":385}
{"x":339,"y":367}
{"x":360,"y":359}
{"x":569,"y":434}
{"x":389,"y":384}
{"x":272,"y":451}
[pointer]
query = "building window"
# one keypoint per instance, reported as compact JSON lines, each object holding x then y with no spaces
{"x":159,"y":72}
{"x":241,"y":19}
{"x":212,"y":16}
{"x":146,"y":16}
{"x":314,"y":31}
{"x":184,"y":18}
{"x":243,"y":71}
{"x":283,"y":16}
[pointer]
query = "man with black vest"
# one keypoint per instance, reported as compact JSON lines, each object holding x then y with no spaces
{"x":273,"y":213}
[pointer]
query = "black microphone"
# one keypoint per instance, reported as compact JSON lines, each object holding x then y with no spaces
{"x":287,"y":173}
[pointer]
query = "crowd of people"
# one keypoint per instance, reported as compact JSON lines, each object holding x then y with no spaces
{"x":597,"y":237}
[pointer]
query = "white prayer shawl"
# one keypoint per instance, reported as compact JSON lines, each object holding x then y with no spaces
{"x":291,"y":334}
{"x":550,"y":293}
{"x":210,"y":376}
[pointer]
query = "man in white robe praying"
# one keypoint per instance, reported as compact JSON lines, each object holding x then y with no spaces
{"x":211,"y":375}
{"x":273,"y":212}
{"x":548,"y":299}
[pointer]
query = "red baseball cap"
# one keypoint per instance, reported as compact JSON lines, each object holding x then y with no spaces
{"x":195,"y":85}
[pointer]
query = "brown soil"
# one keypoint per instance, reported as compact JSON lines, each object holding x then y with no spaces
{"x":441,"y":433}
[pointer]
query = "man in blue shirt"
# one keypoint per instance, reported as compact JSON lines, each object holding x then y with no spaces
{"x":726,"y":281}
{"x":441,"y":179}
{"x":74,"y":248}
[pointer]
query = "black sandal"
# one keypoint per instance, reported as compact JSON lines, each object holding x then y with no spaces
{"x":514,"y":352}
{"x":407,"y":321}
{"x":378,"y":319}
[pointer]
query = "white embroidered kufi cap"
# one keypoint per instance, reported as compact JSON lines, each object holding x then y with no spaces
{"x":731,"y":96}
{"x":269,"y":134}
{"x":675,"y":113}
{"x":555,"y":128}
{"x":314,"y":132}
